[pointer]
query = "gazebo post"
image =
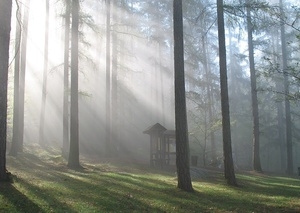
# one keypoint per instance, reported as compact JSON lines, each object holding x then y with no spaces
{"x":151,"y":151}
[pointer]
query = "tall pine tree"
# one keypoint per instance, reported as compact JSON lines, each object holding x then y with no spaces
{"x":5,"y":27}
{"x":182,"y":141}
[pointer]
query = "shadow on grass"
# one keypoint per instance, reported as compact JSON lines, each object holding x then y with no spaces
{"x":59,"y":189}
{"x":96,"y":192}
{"x":48,"y":200}
{"x":272,"y":186}
{"x":55,"y":188}
{"x":14,"y":199}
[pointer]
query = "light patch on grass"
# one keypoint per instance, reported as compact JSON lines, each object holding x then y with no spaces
{"x":45,"y":184}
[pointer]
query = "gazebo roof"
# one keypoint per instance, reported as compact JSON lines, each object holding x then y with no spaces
{"x":156,"y":128}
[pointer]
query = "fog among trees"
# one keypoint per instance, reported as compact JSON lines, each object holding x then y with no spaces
{"x":123,"y":80}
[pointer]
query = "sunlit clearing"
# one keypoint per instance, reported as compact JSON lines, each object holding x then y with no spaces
{"x":141,"y":79}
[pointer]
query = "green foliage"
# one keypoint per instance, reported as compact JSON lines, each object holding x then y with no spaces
{"x":42,"y":183}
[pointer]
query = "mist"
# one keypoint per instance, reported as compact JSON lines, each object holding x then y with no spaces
{"x":143,"y":82}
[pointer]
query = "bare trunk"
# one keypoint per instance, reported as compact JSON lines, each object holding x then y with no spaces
{"x":74,"y":124}
{"x":227,"y":150}
{"x":22,"y":75}
{"x":289,"y":143}
{"x":108,"y":83}
{"x":5,"y":23}
{"x":66,"y":138}
{"x":209,"y":98}
{"x":256,"y":155}
{"x":280,"y":110}
{"x":114,"y":82}
{"x":45,"y":75}
{"x":182,"y":141}
{"x":16,"y":126}
{"x":161,"y":81}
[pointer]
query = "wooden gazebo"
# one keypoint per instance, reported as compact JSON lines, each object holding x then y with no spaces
{"x":162,"y":145}
{"x":170,"y":145}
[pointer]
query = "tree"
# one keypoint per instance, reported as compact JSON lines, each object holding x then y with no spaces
{"x":182,"y":143}
{"x":227,"y":150}
{"x":45,"y":74}
{"x":19,"y":84}
{"x":5,"y":27}
{"x":16,"y":126}
{"x":288,"y":122}
{"x":73,"y":161}
{"x":66,"y":82}
{"x":256,"y":156}
{"x":209,"y":96}
{"x":108,"y":84}
{"x":22,"y":76}
{"x":114,"y":140}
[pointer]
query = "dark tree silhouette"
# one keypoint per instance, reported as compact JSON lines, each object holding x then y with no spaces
{"x":182,"y":141}
{"x":16,"y":126}
{"x":74,"y":126}
{"x":227,"y":149}
{"x":5,"y":27}
{"x":256,"y":156}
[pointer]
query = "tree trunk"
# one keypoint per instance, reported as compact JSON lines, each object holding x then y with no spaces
{"x":22,"y":75}
{"x":182,"y":143}
{"x":227,"y":150}
{"x":45,"y":75}
{"x":16,"y":112}
{"x":114,"y":81}
{"x":279,"y":105}
{"x":5,"y":27}
{"x":108,"y":83}
{"x":256,"y":156}
{"x":74,"y":126}
{"x":209,"y":98}
{"x":161,"y":82}
{"x":66,"y":138}
{"x":289,"y":143}
{"x":280,"y":127}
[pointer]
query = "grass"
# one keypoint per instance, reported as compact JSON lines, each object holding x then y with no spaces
{"x":43,"y":183}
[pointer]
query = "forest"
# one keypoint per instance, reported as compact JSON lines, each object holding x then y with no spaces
{"x":83,"y":84}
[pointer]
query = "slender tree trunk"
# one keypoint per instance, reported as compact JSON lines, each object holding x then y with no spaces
{"x":209,"y":98}
{"x":161,"y":82}
{"x":16,"y":126}
{"x":108,"y":83}
{"x":182,"y":141}
{"x":233,"y":83}
{"x":256,"y":155}
{"x":279,"y":106}
{"x":156,"y":86}
{"x":66,"y":142}
{"x":288,"y":121}
{"x":45,"y":75}
{"x":114,"y":81}
{"x":5,"y":27}
{"x":74,"y":124}
{"x":280,"y":127}
{"x":22,"y":75}
{"x":227,"y":149}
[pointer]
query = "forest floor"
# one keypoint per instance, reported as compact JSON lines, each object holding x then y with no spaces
{"x":43,"y":183}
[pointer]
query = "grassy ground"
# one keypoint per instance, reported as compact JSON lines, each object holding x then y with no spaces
{"x":42,"y":183}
